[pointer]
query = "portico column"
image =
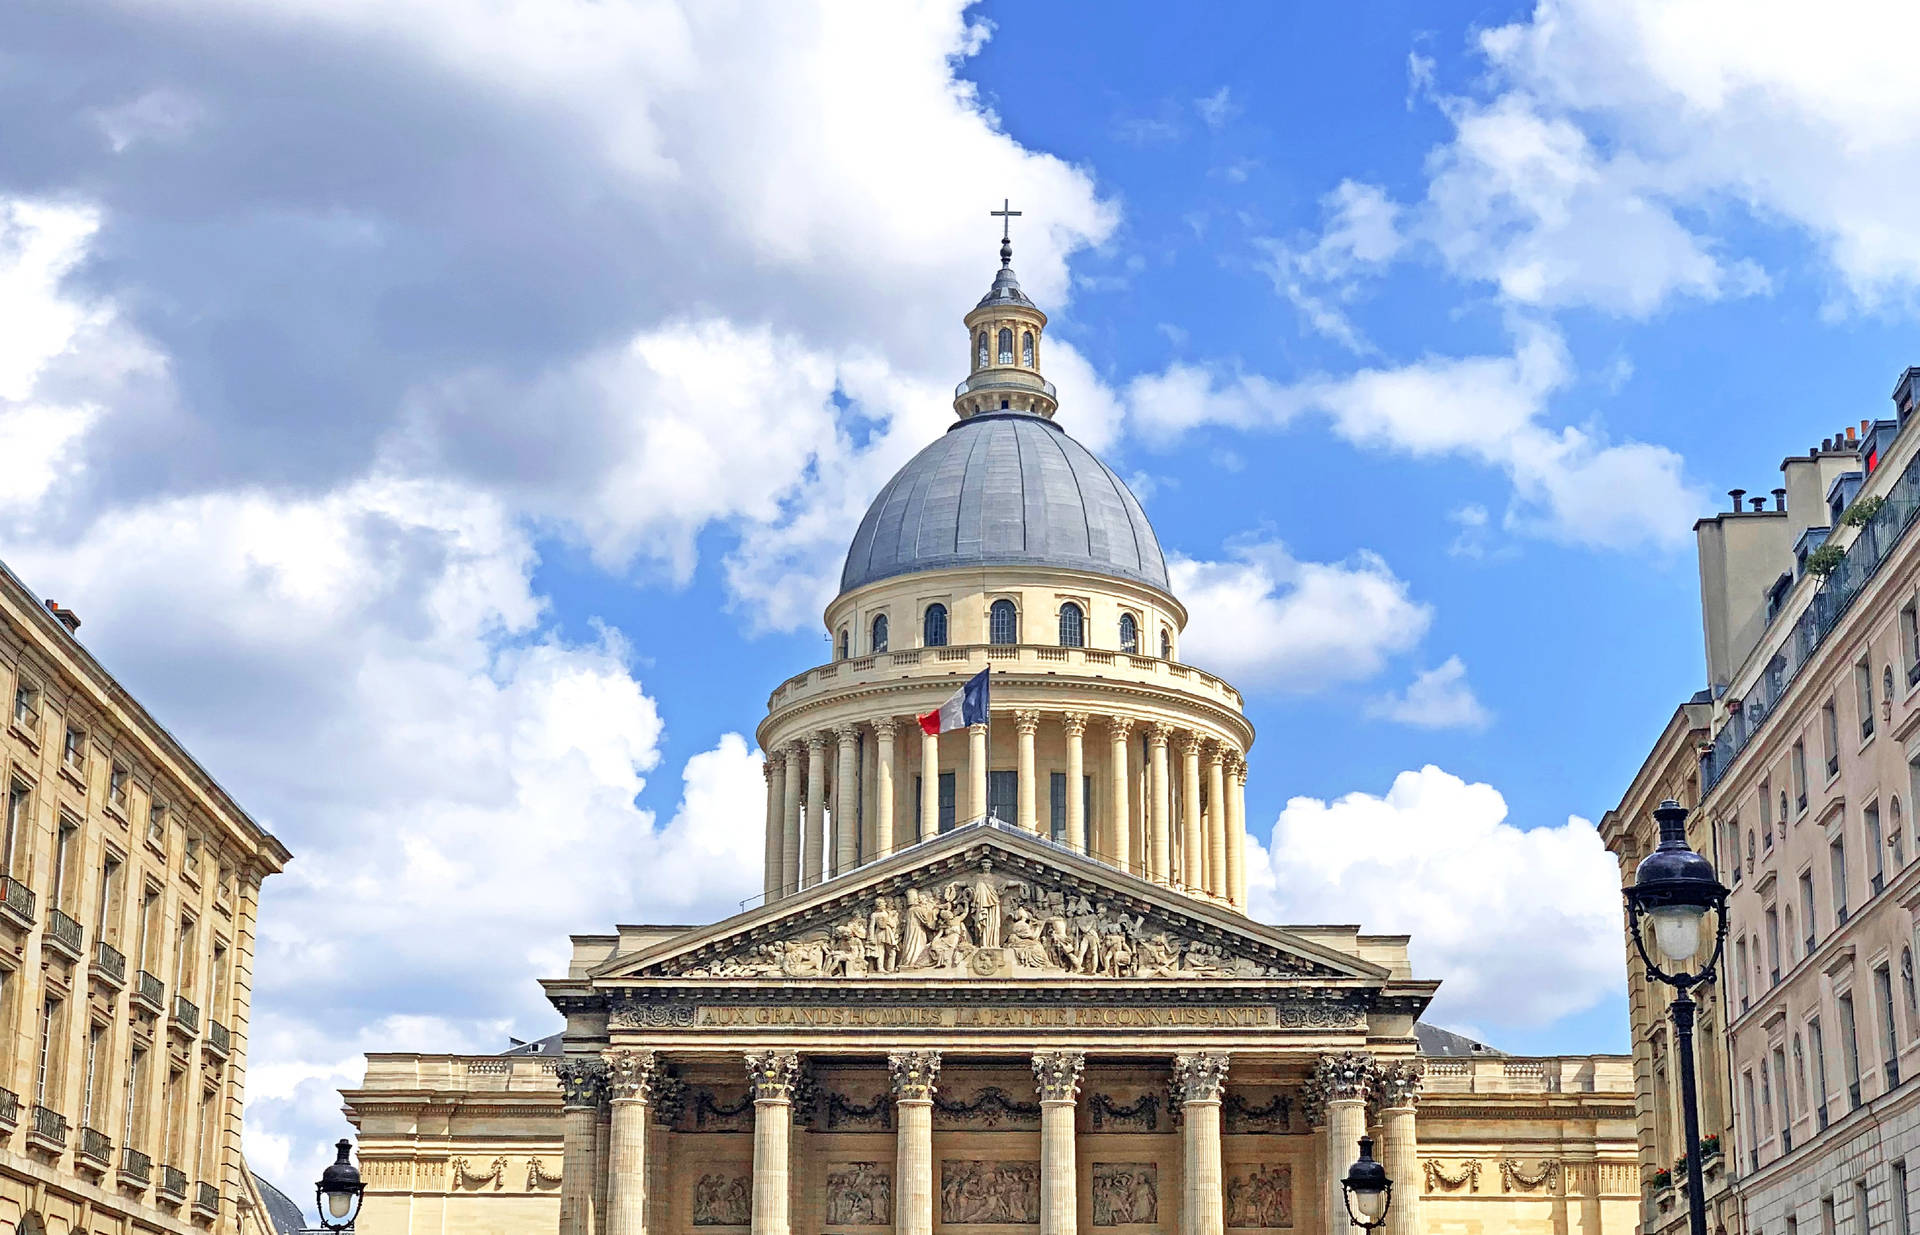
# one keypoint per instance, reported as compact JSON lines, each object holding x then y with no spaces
{"x":1344,"y":1081}
{"x":668,"y":1101}
{"x":846,"y":801}
{"x":1199,"y":1080}
{"x":776,"y":832}
{"x":1026,"y":724}
{"x":790,"y":821}
{"x":1400,"y":1152}
{"x":630,"y":1085}
{"x":1058,"y":1075}
{"x":581,"y":1080}
{"x":914,"y":1074}
{"x":929,"y":785}
{"x":884,"y":731}
{"x":816,"y":808}
{"x":771,"y":1074}
{"x":1159,"y":840}
{"x":602,"y":1154}
{"x":976,"y":771}
{"x":1237,"y":833}
{"x":1076,"y":725}
{"x":1217,"y":821}
{"x":1192,"y":844}
{"x":1114,"y":836}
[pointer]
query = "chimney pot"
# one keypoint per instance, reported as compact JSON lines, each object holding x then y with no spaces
{"x":1779,"y":499}
{"x":68,"y":618}
{"x":1850,"y":437}
{"x":1864,"y":426}
{"x":1736,"y":495}
{"x":1759,"y":503}
{"x":1826,"y":443}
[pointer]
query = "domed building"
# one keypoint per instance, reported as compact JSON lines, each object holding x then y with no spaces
{"x":1002,"y":979}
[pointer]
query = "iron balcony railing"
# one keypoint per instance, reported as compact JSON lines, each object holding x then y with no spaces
{"x":65,"y":933}
{"x":9,"y":1108}
{"x":96,"y":1145}
{"x":50,"y":1124}
{"x":173,"y":1182}
{"x":219,"y":1039}
{"x":136,"y":1165}
{"x":17,"y":899}
{"x":206,"y":1199}
{"x":186,"y":1013}
{"x":149,"y":990}
{"x":1877,"y":538}
{"x":110,"y":961}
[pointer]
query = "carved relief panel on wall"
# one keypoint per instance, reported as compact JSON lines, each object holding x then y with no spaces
{"x":1257,"y":1112}
{"x":1260,"y":1197}
{"x":724,"y":1197}
{"x":987,"y":1193}
{"x":1125,"y":1193}
{"x":860,"y":1194}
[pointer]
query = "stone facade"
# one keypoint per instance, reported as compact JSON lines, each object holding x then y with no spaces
{"x":129,"y":883}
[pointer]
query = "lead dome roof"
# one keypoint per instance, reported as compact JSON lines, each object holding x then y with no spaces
{"x":1005,"y":489}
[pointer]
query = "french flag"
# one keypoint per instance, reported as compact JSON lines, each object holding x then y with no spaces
{"x":966,"y":706}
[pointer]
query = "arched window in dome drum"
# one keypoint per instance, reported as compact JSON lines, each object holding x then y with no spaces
{"x":1006,"y":346}
{"x":1166,"y":644}
{"x":1003,"y":623}
{"x":980,"y":359}
{"x":879,"y":634}
{"x":1129,"y":633}
{"x":933,"y":628}
{"x":1073,"y":626}
{"x":1026,"y":349}
{"x":843,"y":644}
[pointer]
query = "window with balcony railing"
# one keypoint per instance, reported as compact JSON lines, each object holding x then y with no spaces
{"x":136,"y":1165}
{"x":64,"y":932}
{"x":186,"y":1012}
{"x":96,"y":1145}
{"x":17,"y":899}
{"x":206,"y":1198}
{"x":173,"y":1181}
{"x":150,"y":991}
{"x":219,"y":1037}
{"x":110,"y":961}
{"x":50,"y":1124}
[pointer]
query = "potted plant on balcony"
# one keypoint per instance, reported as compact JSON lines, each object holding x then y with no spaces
{"x":1710,"y":1147}
{"x":1662,"y":1180}
{"x":1825,"y":560}
{"x":1862,"y":512}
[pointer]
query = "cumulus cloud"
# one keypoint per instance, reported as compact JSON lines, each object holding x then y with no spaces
{"x":1268,"y":621}
{"x":1483,"y":899}
{"x":1437,"y":698}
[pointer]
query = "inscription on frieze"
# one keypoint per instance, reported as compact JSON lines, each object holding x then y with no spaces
{"x":973,"y":1192}
{"x":1302,"y":1014}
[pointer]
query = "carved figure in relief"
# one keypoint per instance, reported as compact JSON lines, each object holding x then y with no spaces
{"x":923,"y":919}
{"x":989,"y":1192}
{"x":1261,"y":1199}
{"x":723,"y":1200}
{"x":1125,"y":1193}
{"x":949,"y":933}
{"x":1024,"y":939}
{"x":859,"y":1194}
{"x":883,"y":936}
{"x":984,"y":901}
{"x":1158,"y":957}
{"x":847,"y":956}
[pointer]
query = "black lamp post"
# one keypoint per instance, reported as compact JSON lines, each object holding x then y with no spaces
{"x":1367,"y":1189}
{"x":338,"y":1193}
{"x":1675,"y":887}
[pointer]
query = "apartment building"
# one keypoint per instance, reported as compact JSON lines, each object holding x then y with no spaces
{"x":129,"y":884}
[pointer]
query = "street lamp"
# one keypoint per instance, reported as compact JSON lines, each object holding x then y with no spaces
{"x":338,"y":1193}
{"x":1367,"y":1189}
{"x":1675,"y":887}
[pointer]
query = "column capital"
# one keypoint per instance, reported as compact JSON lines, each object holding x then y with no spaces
{"x":1400,"y":1083}
{"x":583,"y":1080}
{"x":1057,"y":1073}
{"x":1215,"y":749}
{"x":1191,"y":743}
{"x":1120,"y":726}
{"x":1237,"y":767}
{"x":1158,"y":733}
{"x":914,"y":1074}
{"x":980,"y":729}
{"x":771,"y":765}
{"x":772,"y":1074}
{"x":1075,"y":722}
{"x":887,"y":728}
{"x":1199,"y":1077}
{"x":629,"y":1074}
{"x":847,"y":732}
{"x":1346,"y":1077}
{"x":669,"y":1096}
{"x":1027,"y":722}
{"x":818,"y":742}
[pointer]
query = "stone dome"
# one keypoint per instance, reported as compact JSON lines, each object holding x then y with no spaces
{"x":1006,"y":489}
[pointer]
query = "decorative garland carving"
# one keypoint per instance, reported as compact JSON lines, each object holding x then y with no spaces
{"x":1313,"y":1103}
{"x":987,"y":1110}
{"x":1237,"y":1115}
{"x":1514,"y":1178}
{"x":537,"y":1176}
{"x":1467,"y":1177}
{"x":842,"y":1112}
{"x":1142,"y":1114}
{"x":463,"y":1176}
{"x":710,"y":1116}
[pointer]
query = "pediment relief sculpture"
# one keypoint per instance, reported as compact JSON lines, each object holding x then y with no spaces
{"x":983,"y":924}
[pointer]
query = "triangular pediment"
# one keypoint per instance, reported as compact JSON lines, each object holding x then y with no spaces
{"x":986,"y":902}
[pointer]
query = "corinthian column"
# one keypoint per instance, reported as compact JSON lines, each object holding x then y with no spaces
{"x":816,"y":808}
{"x":914,"y":1074}
{"x":1025,"y":725}
{"x":1198,"y":1081}
{"x":884,"y":732}
{"x":581,"y":1081}
{"x":772,"y":1075}
{"x":776,"y":834}
{"x":1159,"y":840}
{"x":1400,"y":1153}
{"x":790,"y":821}
{"x":629,"y":1084}
{"x":1076,"y":725}
{"x":929,"y":785}
{"x":1115,"y":835}
{"x":1217,"y":821}
{"x":1192,"y":844}
{"x":977,"y":771}
{"x":1237,"y":833}
{"x":846,"y":801}
{"x":1058,"y":1075}
{"x":1344,"y":1081}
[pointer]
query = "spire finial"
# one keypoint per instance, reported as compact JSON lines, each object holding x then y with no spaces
{"x":1006,"y":215}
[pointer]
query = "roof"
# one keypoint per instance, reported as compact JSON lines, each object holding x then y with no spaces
{"x":1005,"y":489}
{"x":1434,"y":1040}
{"x":283,"y":1216}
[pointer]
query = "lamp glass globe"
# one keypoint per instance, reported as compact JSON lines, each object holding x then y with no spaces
{"x":1676,"y":931}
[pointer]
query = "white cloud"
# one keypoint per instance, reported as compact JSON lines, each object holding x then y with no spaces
{"x":1217,"y":109}
{"x":1483,"y":900}
{"x":1437,"y":698}
{"x":1267,"y":621}
{"x":1361,"y":234}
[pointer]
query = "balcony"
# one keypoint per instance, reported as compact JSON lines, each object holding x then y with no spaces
{"x":186,"y":1015}
{"x":173,"y":1184}
{"x":206,"y":1201}
{"x":1001,"y":379}
{"x":48,"y":1130}
{"x":64,"y":935}
{"x":9,"y":1110}
{"x":148,"y":990}
{"x":96,"y":1147}
{"x":109,"y":964}
{"x":218,"y":1040}
{"x":16,"y":902}
{"x":136,"y":1169}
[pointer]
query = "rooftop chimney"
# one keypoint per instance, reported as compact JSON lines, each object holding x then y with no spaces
{"x":1779,"y":499}
{"x":68,"y":618}
{"x":1759,"y":504}
{"x":1864,"y":426}
{"x":1850,"y":437}
{"x":1736,"y":495}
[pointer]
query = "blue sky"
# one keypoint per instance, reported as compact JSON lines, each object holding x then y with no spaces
{"x":449,"y":418}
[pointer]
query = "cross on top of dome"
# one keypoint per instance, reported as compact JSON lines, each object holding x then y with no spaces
{"x":1006,"y":217}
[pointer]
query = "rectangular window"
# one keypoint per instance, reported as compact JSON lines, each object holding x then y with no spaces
{"x":106,"y":926}
{"x":1003,"y":796}
{"x":183,"y":959}
{"x":1862,"y":1208}
{"x":1740,"y":967}
{"x":1830,"y":736}
{"x":209,"y":1116}
{"x":217,"y":1005}
{"x":1889,"y":1032}
{"x":1826,"y":1216}
{"x":63,"y":863}
{"x":1902,"y":1214}
{"x":171,"y":1144}
{"x":1863,"y":696}
{"x":1057,"y":807}
{"x":1786,"y":1099}
{"x":26,"y":706}
{"x":117,"y":787}
{"x":49,"y":1017}
{"x":1910,"y":640}
{"x":1876,"y":857}
{"x":157,"y":823}
{"x":1806,"y":910}
{"x":1797,"y":764}
{"x":1766,"y":832}
{"x":96,"y":1036}
{"x":149,"y":928}
{"x":1818,"y":1042}
{"x":1733,"y":849}
{"x":134,"y":1130}
{"x":1837,"y":865}
{"x":1850,"y":1049}
{"x":1753,"y":1122}
{"x":1766,"y":1105}
{"x":75,"y":749}
{"x":947,"y":798}
{"x":19,"y":826}
{"x":1773,"y":946}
